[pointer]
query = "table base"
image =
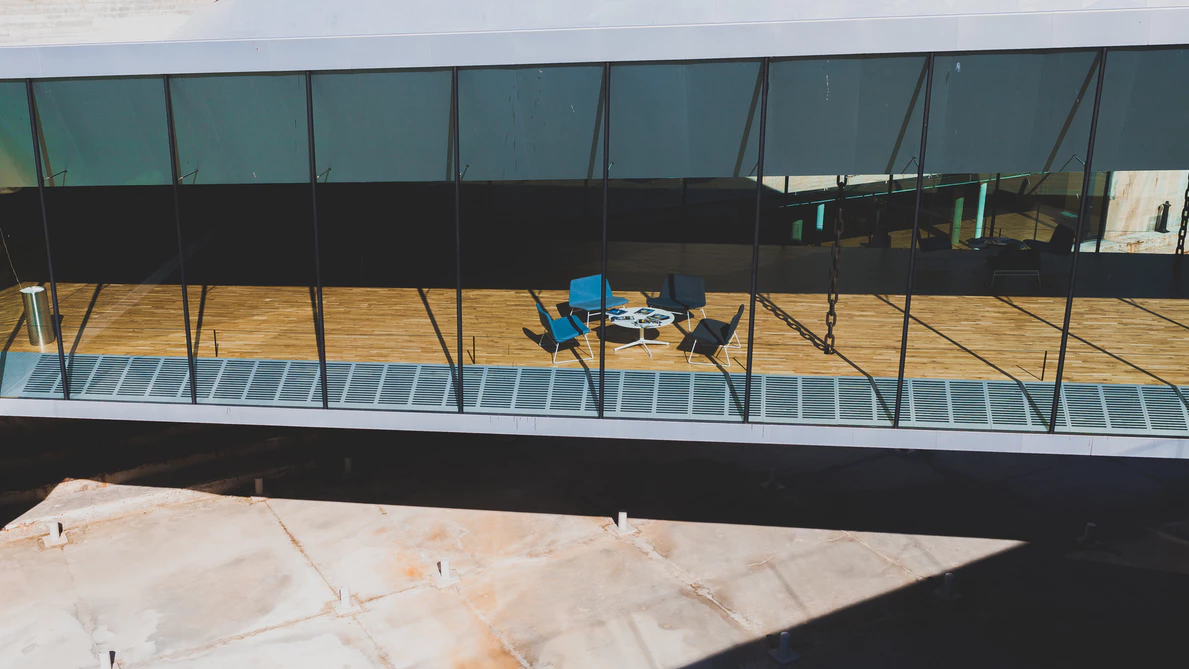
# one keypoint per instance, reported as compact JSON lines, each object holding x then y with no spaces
{"x":642,"y":342}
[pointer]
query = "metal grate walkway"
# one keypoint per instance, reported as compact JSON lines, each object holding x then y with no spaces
{"x":714,"y":396}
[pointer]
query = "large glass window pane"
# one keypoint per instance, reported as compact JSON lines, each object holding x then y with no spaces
{"x":684,"y":148}
{"x":386,"y":235}
{"x":105,"y":154}
{"x":249,"y":247}
{"x":532,"y":162}
{"x":856,"y":119}
{"x":29,"y":365}
{"x":241,"y":129}
{"x":1007,"y":142}
{"x":1127,"y":361}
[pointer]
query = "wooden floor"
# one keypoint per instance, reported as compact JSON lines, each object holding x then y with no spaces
{"x":1112,"y":340}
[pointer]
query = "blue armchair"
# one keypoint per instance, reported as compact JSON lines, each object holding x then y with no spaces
{"x":714,"y":335}
{"x":562,"y":330}
{"x":584,"y":295}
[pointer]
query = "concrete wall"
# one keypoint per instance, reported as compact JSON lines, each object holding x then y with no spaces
{"x":1135,"y":204}
{"x":84,"y":21}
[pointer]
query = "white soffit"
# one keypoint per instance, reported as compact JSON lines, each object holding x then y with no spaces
{"x":287,"y":35}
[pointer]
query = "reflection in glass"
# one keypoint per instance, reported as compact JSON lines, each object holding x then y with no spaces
{"x":247,"y":234}
{"x":1127,"y":360}
{"x":29,"y":365}
{"x":1007,"y":145}
{"x":855,"y":121}
{"x":531,"y":151}
{"x":684,"y":154}
{"x":386,"y":236}
{"x":105,"y":155}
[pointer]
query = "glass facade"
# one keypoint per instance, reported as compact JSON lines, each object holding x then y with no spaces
{"x":684,"y":157}
{"x":109,"y":206}
{"x":929,"y":241}
{"x":843,"y":139}
{"x":248,"y":237}
{"x":1126,"y":361}
{"x":531,"y":157}
{"x":383,"y":155}
{"x":30,"y":345}
{"x":1005,"y":155}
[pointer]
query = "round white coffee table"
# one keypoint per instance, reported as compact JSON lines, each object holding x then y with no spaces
{"x":640,"y":319}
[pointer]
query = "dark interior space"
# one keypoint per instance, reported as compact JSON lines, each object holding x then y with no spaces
{"x":402,"y":235}
{"x":24,"y":238}
{"x":398,"y":235}
{"x":248,"y":235}
{"x":113,"y":234}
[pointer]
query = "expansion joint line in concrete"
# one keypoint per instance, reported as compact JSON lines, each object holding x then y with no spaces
{"x":301,"y":549}
{"x":688,"y":581}
{"x":889,"y":559}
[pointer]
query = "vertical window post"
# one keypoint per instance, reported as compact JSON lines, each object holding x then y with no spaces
{"x":1083,"y":212}
{"x":457,"y":231}
{"x":603,"y":259}
{"x":755,"y":247}
{"x":177,"y":218}
{"x":49,"y":257}
{"x":916,"y":231}
{"x":319,"y":325}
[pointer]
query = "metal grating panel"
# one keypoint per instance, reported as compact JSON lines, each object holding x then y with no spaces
{"x":172,"y":378}
{"x":364,"y":385}
{"x":679,"y":395}
{"x":968,"y":403}
{"x":79,"y":370}
{"x":396,"y":388}
{"x":46,"y":377}
{"x":819,"y":399}
{"x":266,"y":381}
{"x":1087,"y":410}
{"x":532,"y":389}
{"x":1124,"y":407}
{"x":1166,"y":407}
{"x":780,"y":398}
{"x":930,"y":401}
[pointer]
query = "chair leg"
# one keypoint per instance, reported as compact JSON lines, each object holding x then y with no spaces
{"x":738,"y":344}
{"x":703,"y":310}
{"x":557,"y":348}
{"x":714,"y":361}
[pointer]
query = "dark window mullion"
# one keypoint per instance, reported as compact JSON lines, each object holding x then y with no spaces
{"x":912,"y":243}
{"x":49,"y":259}
{"x":1083,"y":211}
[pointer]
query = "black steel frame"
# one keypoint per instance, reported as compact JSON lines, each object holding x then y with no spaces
{"x":1083,"y":210}
{"x":916,"y":231}
{"x":49,"y":259}
{"x":458,"y":389}
{"x":603,"y":259}
{"x":606,"y":130}
{"x":174,"y":168}
{"x":755,"y":246}
{"x":319,"y":324}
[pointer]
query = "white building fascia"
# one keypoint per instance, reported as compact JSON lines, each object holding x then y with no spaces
{"x":291,"y":35}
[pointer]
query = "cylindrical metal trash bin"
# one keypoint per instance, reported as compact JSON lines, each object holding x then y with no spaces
{"x":38,"y":319}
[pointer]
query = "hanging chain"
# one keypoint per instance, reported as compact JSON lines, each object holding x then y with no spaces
{"x":835,"y":254}
{"x":1184,"y":225}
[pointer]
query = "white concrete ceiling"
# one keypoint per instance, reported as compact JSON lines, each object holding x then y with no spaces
{"x":185,"y":36}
